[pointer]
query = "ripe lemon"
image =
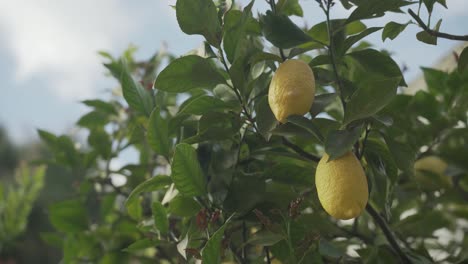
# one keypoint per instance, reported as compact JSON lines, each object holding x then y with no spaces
{"x":430,"y":173}
{"x":292,"y":89}
{"x":342,"y":186}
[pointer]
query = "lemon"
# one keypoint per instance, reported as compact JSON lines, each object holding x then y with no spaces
{"x":341,"y":186}
{"x":430,"y":173}
{"x":292,"y":89}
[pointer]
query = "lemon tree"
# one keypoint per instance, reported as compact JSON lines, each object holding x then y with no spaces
{"x":255,"y":147}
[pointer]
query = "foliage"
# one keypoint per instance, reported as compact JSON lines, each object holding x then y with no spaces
{"x":17,"y":202}
{"x":218,"y":179}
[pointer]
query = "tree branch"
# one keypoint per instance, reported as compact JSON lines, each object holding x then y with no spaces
{"x":299,"y":150}
{"x":436,"y":33}
{"x":331,"y":52}
{"x":387,"y":232}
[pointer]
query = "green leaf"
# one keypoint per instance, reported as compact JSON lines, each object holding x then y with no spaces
{"x":100,"y":105}
{"x":376,"y":64}
{"x":328,"y":249}
{"x":157,"y":182}
{"x":101,"y":142}
{"x":186,"y":171}
{"x":187,"y":73}
{"x":93,"y":119}
{"x":427,"y":38}
{"x":463,"y":60}
{"x":282,"y":32}
{"x":183,"y":206}
{"x":265,"y":238}
{"x":290,"y":174}
{"x":266,"y":121}
{"x":134,"y":93}
{"x":307,"y":125}
{"x":69,"y":216}
{"x":243,"y":194}
{"x":160,"y":217}
{"x":205,"y":104}
{"x":237,"y":25}
{"x":199,"y":17}
{"x":158,"y":133}
{"x":370,"y":98}
{"x":321,"y":101}
{"x":140,"y":245}
{"x":49,"y":138}
{"x":289,"y":7}
{"x":392,"y":30}
{"x":349,"y":42}
{"x":211,"y":253}
{"x":376,"y":8}
{"x":339,"y":142}
{"x":403,"y":154}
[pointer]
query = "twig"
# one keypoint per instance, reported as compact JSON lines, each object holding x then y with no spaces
{"x":436,"y":33}
{"x":273,"y":9}
{"x":366,"y":135}
{"x":244,"y":239}
{"x":299,"y":150}
{"x":239,"y":96}
{"x":267,"y":253}
{"x":331,"y":52}
{"x":387,"y":232}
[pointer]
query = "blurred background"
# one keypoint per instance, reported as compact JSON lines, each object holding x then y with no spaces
{"x":49,"y":62}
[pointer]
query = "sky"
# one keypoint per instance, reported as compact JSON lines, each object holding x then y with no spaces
{"x":49,"y":61}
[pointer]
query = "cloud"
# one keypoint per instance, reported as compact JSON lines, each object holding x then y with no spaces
{"x":57,"y":40}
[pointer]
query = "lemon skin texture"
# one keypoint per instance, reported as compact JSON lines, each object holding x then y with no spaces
{"x":436,"y":166}
{"x":292,"y":90}
{"x":342,"y":186}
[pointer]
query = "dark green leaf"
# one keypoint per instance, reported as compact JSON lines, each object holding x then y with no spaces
{"x":339,"y":142}
{"x":290,"y":174}
{"x":376,"y":8}
{"x":136,"y":96}
{"x":349,"y":42}
{"x":282,"y":32}
{"x":186,"y":171}
{"x":463,"y":60}
{"x":403,"y":154}
{"x":160,"y":217}
{"x":321,"y":101}
{"x":186,"y":73}
{"x":183,"y":206}
{"x":93,"y":119}
{"x":328,"y":249}
{"x":375,"y":64}
{"x":427,"y":38}
{"x":155,"y":183}
{"x":265,"y":119}
{"x":307,"y":125}
{"x":205,"y":104}
{"x":370,"y":98}
{"x":101,"y":142}
{"x":68,"y":216}
{"x":392,"y":30}
{"x":320,"y":60}
{"x":265,"y":238}
{"x":158,"y":133}
{"x":211,"y":253}
{"x":199,"y":17}
{"x":243,"y":194}
{"x":237,"y":25}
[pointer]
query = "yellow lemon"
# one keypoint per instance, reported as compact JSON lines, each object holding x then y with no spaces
{"x":342,"y":186}
{"x":292,"y":89}
{"x":436,"y":177}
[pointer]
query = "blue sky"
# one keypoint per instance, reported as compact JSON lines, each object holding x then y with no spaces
{"x":49,"y":61}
